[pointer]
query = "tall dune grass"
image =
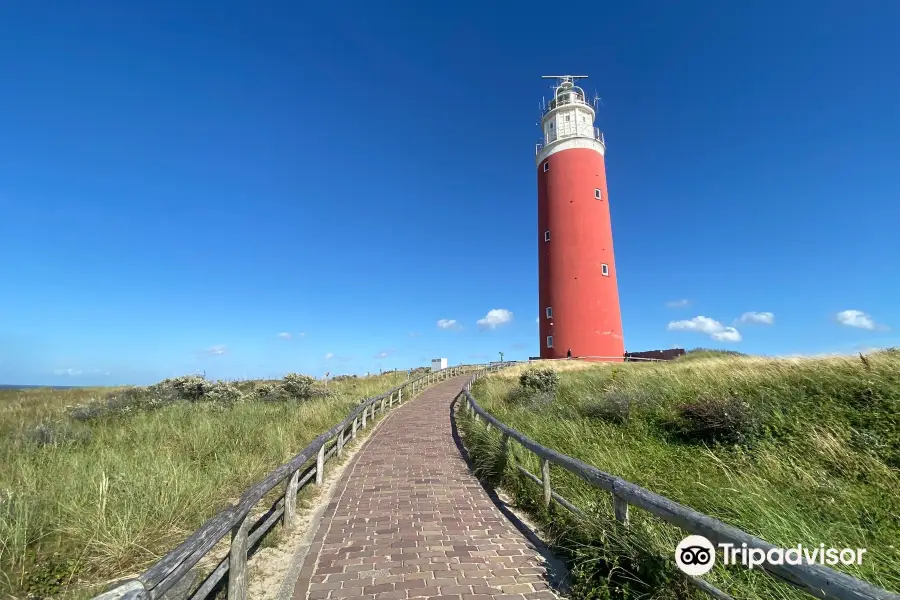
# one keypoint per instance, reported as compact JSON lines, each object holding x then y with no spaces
{"x":790,"y":450}
{"x":98,"y":498}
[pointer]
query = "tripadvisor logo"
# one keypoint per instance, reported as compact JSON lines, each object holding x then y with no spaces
{"x":696,"y":555}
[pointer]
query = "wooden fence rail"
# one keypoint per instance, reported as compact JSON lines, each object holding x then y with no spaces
{"x":306,"y":467}
{"x":816,"y":580}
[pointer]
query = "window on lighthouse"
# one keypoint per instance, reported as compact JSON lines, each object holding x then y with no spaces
{"x":549,"y":341}
{"x":546,"y":167}
{"x":598,"y":194}
{"x":604,"y":268}
{"x":549,"y":312}
{"x":547,"y":236}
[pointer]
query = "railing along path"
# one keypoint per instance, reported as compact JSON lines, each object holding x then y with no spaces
{"x":174,"y":572}
{"x":815,"y":580}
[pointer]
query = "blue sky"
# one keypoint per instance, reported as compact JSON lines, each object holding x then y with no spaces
{"x":181,"y":182}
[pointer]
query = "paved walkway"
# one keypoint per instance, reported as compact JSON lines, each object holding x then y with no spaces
{"x":409,"y":520}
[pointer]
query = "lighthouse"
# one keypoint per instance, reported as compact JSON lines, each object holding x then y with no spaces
{"x":578,"y":294}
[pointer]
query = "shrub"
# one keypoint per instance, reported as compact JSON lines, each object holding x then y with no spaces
{"x":223,"y":392}
{"x":267,"y":392}
{"x":56,"y":434}
{"x":615,"y":407}
{"x":338,"y":378}
{"x":321,"y":393}
{"x":297,"y":385}
{"x":48,"y":575}
{"x":189,"y":387}
{"x":713,"y":419}
{"x":540,"y":380}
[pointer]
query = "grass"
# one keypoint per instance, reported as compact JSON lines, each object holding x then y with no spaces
{"x":790,"y":450}
{"x":97,"y":484}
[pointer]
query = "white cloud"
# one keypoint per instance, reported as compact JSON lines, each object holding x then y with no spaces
{"x":384,"y":354}
{"x":855,"y":318}
{"x":69,"y":372}
{"x":678,"y":303}
{"x":329,"y":355}
{"x":447,"y":324}
{"x":495,"y":318}
{"x":708,"y":326}
{"x":766,"y":318}
{"x":284,"y":335}
{"x":216,"y":350}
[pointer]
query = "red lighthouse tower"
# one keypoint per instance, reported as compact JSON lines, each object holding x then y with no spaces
{"x":579,"y":296}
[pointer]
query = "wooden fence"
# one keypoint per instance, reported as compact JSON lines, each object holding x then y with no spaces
{"x":173,"y":571}
{"x":815,"y":580}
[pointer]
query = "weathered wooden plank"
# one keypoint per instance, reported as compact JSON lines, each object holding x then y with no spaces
{"x":320,"y":466}
{"x":237,"y":561}
{"x":181,"y":589}
{"x":120,"y":590}
{"x":620,"y":509}
{"x":308,"y":474}
{"x":290,"y":501}
{"x":816,"y":580}
{"x":262,"y":526}
{"x":545,"y":481}
{"x":135,"y":595}
{"x":173,"y":566}
{"x":556,"y":497}
{"x":709,"y":588}
{"x":259,"y":529}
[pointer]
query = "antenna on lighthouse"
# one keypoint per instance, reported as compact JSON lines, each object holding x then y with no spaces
{"x":561,"y":79}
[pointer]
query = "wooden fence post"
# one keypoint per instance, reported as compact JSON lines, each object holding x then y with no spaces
{"x":620,"y":507}
{"x":340,"y":442}
{"x":400,"y":396}
{"x":355,"y":426}
{"x":237,"y":560}
{"x":545,"y":476}
{"x":320,"y":466}
{"x":365,"y":408}
{"x":290,"y":501}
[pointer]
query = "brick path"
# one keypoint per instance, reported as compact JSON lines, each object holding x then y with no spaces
{"x":408,"y":520}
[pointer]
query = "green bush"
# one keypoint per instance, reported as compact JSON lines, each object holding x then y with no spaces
{"x":223,"y":392}
{"x":715,"y":419}
{"x":613,"y":407}
{"x":540,"y":380}
{"x":298,"y":386}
